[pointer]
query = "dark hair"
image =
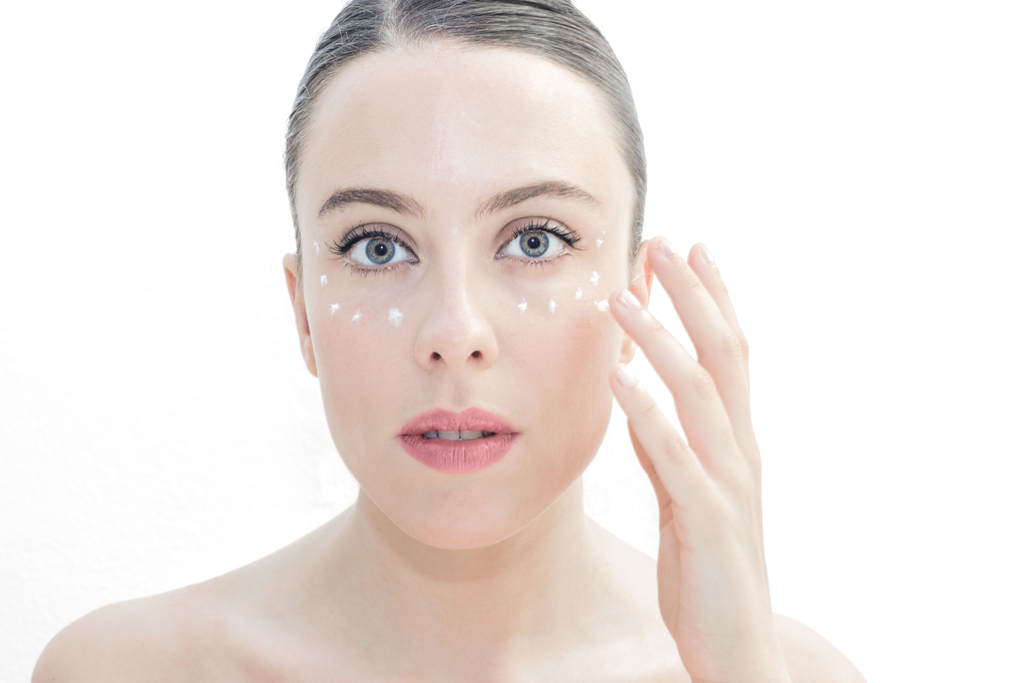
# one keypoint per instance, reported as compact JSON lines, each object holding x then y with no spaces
{"x":555,"y":29}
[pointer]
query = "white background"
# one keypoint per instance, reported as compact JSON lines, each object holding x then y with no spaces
{"x":856,"y":168}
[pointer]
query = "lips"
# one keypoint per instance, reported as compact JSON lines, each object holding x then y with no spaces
{"x":433,"y":439}
{"x":469,"y":420}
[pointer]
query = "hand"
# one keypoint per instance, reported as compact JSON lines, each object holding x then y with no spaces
{"x":712,"y":578}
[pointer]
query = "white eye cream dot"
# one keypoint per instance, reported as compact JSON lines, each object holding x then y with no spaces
{"x":357,"y":316}
{"x":602,"y":305}
{"x":579,"y":294}
{"x":323,"y":280}
{"x":594,"y":278}
{"x":522,"y":305}
{"x":552,"y":306}
{"x":316,"y":247}
{"x":599,"y":243}
{"x":334,"y":308}
{"x":394,"y":316}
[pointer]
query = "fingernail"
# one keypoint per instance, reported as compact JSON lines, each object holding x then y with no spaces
{"x":706,"y":255}
{"x":627,"y":299}
{"x":666,"y":248}
{"x":626,"y":378}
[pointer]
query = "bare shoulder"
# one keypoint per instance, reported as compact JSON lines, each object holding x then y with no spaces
{"x":810,"y":658}
{"x":226,"y":629}
{"x":156,"y":638}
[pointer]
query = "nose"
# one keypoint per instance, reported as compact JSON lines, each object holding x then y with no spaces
{"x":456,"y":333}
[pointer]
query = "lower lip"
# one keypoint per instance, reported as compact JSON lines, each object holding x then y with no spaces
{"x":445,"y":455}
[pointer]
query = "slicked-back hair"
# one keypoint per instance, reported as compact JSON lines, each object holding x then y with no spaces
{"x":554,"y":29}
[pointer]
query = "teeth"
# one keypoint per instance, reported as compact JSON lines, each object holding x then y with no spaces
{"x":458,"y":435}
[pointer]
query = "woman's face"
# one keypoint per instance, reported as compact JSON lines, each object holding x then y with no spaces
{"x":464,"y":212}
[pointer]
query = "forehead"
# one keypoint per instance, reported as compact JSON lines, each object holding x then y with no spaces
{"x":449,"y":124}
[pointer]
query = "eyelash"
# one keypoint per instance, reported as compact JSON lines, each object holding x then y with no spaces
{"x":568,"y":236}
{"x":356,"y":235}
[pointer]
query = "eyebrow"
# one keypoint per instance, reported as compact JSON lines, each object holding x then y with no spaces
{"x":368,"y":195}
{"x":505,"y":200}
{"x":409,"y":206}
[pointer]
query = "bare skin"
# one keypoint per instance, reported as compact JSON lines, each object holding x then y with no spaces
{"x":264,"y":622}
{"x":495,"y":575}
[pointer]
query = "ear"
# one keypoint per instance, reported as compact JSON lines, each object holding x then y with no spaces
{"x":641,"y":289}
{"x":291,"y":276}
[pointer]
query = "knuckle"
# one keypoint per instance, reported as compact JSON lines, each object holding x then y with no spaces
{"x":674,"y":449}
{"x":694,"y":284}
{"x":717,"y":292}
{"x":733,"y":346}
{"x":648,"y":407}
{"x":704,"y":385}
{"x":744,"y":346}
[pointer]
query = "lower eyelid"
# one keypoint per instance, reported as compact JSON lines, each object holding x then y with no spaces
{"x":364,"y":270}
{"x":538,"y":261}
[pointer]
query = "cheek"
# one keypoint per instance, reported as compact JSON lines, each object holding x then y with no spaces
{"x":552,"y":352}
{"x":558,"y":365}
{"x":361,"y":349}
{"x":565,"y":331}
{"x":550,"y":375}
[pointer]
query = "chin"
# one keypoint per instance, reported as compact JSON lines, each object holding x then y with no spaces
{"x":484,"y":508}
{"x":466,"y":519}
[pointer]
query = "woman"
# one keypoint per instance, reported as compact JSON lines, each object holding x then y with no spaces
{"x":467,"y":184}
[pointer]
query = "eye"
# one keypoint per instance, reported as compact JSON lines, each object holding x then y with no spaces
{"x":377,"y":251}
{"x":535,"y":243}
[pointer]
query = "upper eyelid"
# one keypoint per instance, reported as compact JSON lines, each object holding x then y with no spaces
{"x":563,"y":232}
{"x":366,"y":231}
{"x":538,"y":223}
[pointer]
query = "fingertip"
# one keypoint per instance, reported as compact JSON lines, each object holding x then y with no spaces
{"x":619,"y":309}
{"x":666,"y":248}
{"x":705,"y":254}
{"x":627,"y":299}
{"x":624,"y":377}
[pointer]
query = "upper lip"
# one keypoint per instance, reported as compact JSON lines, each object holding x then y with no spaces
{"x":469,"y":420}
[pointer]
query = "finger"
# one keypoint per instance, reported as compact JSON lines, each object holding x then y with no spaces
{"x":698,"y":405}
{"x":718,"y":347}
{"x":704,"y":265}
{"x":664,"y":500}
{"x":675,"y":464}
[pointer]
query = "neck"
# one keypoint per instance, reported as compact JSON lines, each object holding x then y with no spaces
{"x":490,"y":604}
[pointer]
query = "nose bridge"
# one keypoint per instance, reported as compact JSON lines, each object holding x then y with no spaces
{"x":450,"y":296}
{"x":455,"y":331}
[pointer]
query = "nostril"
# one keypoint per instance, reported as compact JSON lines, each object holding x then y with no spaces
{"x":435,"y":356}
{"x":477,"y":354}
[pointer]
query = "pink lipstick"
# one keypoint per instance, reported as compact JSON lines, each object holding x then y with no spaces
{"x":457,"y":442}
